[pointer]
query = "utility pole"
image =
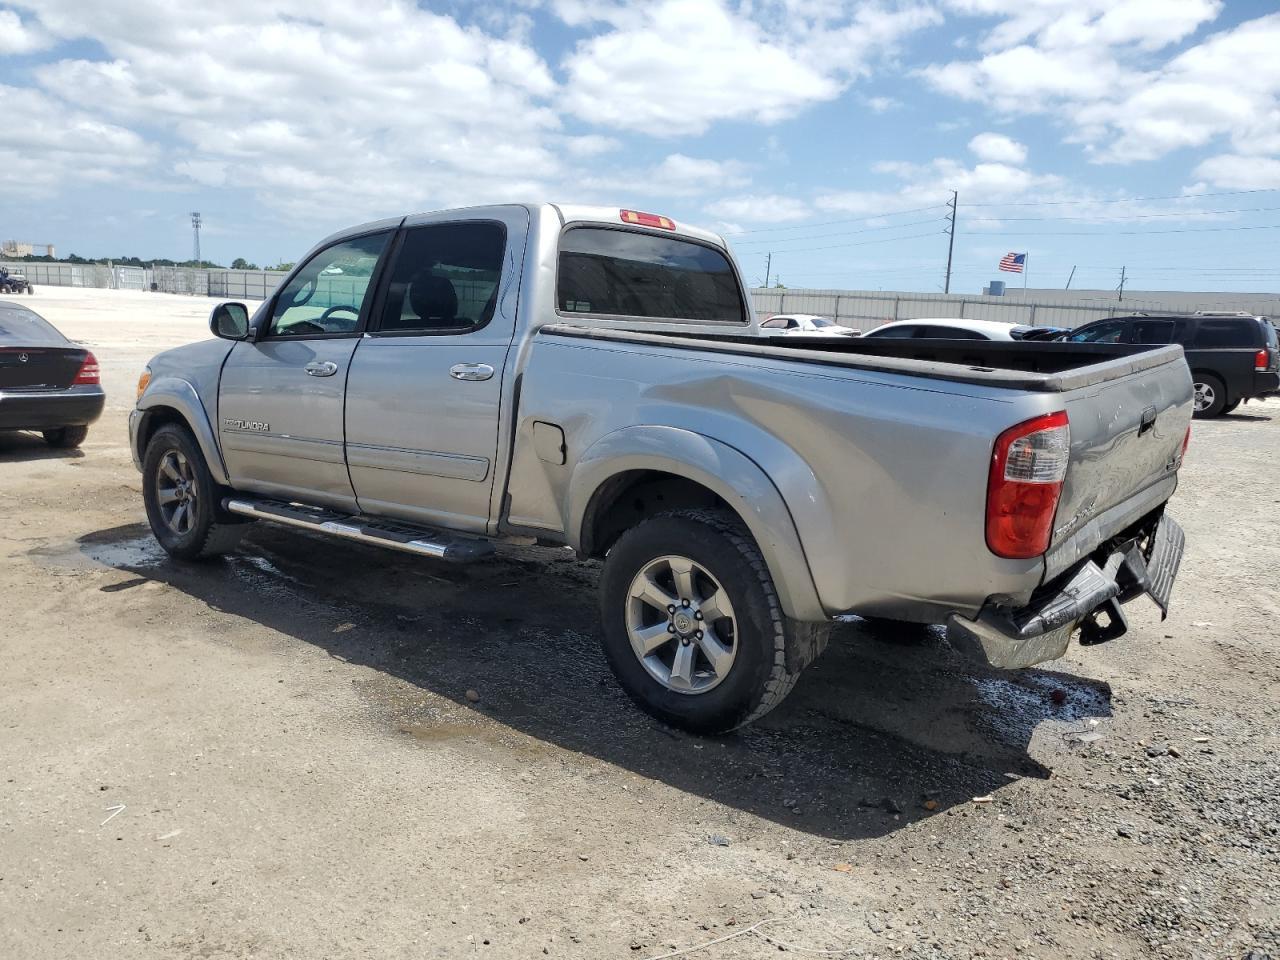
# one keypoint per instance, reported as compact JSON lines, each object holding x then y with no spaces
{"x":951,"y":238}
{"x":768,"y":264}
{"x":1069,"y":279}
{"x":195,"y":229}
{"x":1121,"y":288}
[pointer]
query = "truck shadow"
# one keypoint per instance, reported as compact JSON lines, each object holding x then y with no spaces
{"x":16,"y":447}
{"x":888,"y":727}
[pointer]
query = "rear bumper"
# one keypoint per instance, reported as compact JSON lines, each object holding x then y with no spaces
{"x":1088,"y":598}
{"x":50,"y":409}
{"x":1266,"y":384}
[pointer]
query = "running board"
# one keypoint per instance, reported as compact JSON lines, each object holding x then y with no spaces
{"x":393,"y":534}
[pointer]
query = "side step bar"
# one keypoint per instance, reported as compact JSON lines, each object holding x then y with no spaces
{"x":393,"y":534}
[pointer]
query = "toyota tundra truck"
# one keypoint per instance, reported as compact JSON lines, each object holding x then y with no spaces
{"x":436,"y":384}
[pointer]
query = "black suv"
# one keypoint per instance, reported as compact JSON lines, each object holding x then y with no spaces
{"x":1233,"y":357}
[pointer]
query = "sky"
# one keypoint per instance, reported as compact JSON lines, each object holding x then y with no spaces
{"x":1091,"y":134}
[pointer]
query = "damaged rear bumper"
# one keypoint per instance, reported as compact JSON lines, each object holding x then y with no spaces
{"x":1088,"y":599}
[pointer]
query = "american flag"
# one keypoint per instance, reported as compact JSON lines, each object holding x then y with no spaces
{"x":1013,"y":262}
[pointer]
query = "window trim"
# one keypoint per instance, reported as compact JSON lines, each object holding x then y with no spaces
{"x":663,"y":235}
{"x":375,"y":284}
{"x":374,"y":326}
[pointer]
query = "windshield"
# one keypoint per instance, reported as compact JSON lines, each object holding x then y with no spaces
{"x":24,"y":328}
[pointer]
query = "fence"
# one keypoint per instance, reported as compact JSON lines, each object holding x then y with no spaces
{"x":865,"y":309}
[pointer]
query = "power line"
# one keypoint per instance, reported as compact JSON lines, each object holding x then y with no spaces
{"x":1121,"y":233}
{"x":864,"y":243}
{"x":1136,"y":216}
{"x":1176,"y":196}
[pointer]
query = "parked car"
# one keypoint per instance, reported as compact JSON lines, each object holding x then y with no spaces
{"x":954,"y":328}
{"x":805,"y":325}
{"x":596,"y":377}
{"x":1233,"y":357}
{"x":47,"y":383}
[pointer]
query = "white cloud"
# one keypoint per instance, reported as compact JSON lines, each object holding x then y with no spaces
{"x":997,"y":148}
{"x":760,"y":208}
{"x":676,"y":175}
{"x":17,"y":36}
{"x":882,"y":104}
{"x":1235,"y":172}
{"x":591,"y":145}
{"x":672,"y":67}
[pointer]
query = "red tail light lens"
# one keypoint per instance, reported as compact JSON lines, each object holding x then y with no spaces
{"x":1028,"y":465}
{"x":88,"y":371}
{"x":1186,"y":442}
{"x":646,"y":219}
{"x":1261,"y":361}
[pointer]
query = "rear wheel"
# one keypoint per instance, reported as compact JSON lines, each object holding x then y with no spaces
{"x":1231,"y":406}
{"x":693,"y":628}
{"x":1210,"y":395}
{"x":65,"y":438}
{"x":182,"y":499}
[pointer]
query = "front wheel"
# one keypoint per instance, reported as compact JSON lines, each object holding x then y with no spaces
{"x":1210,"y":395}
{"x":182,"y":499}
{"x":693,"y":628}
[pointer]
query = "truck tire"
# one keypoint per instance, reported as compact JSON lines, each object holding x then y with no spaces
{"x":693,"y":628}
{"x":1231,"y":406}
{"x":1210,"y":395}
{"x":183,"y":502}
{"x":66,"y":438}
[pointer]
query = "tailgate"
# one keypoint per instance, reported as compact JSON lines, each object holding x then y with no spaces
{"x":39,"y":368}
{"x":1126,"y":437}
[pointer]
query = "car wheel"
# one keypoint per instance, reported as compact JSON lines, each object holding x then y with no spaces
{"x":182,"y":499}
{"x":66,"y":438}
{"x":1231,"y":406}
{"x":1210,"y":395}
{"x":693,"y":628}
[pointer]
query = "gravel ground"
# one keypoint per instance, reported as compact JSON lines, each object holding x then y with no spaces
{"x":274,"y":755}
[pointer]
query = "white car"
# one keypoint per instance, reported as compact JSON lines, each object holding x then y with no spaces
{"x":805,"y":325}
{"x":951,"y":328}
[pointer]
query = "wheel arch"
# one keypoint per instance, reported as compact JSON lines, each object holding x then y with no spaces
{"x":171,"y":400}
{"x":640,"y":471}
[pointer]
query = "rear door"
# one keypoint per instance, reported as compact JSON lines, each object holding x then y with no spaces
{"x":280,"y":398}
{"x":425,"y":389}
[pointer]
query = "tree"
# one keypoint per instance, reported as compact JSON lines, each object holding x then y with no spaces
{"x":240,"y":263}
{"x":779,"y":285}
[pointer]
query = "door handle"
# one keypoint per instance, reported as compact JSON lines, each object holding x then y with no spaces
{"x":318,"y":368}
{"x":471,"y":371}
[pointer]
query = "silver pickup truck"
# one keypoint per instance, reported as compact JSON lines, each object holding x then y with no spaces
{"x":594,"y":377}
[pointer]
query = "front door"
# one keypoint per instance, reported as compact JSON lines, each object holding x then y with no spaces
{"x":281,"y":397}
{"x":425,"y":389}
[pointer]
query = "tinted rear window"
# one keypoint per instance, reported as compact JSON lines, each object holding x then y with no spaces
{"x":21,"y":327}
{"x":624,"y":274}
{"x":1225,"y":333}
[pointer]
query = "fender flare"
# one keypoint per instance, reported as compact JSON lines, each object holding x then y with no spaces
{"x":178,"y":394}
{"x":726,"y":471}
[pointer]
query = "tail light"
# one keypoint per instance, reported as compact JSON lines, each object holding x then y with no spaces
{"x":1262,"y":361}
{"x":1028,"y":465}
{"x":1186,"y":442}
{"x":646,"y":219}
{"x":88,"y":371}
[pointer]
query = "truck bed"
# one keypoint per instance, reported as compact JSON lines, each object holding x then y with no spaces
{"x":1037,"y":366}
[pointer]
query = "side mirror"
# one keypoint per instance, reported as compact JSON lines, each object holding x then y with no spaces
{"x":230,"y":321}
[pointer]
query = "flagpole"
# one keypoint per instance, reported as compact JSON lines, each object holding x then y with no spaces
{"x":1026,"y":268}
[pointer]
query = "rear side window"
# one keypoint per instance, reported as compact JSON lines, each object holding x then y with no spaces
{"x":1111,"y":331}
{"x":444,"y":278}
{"x":1225,"y":333}
{"x":1152,"y":331}
{"x":623,"y":274}
{"x":895,"y":333}
{"x":947,"y":333}
{"x":1273,"y":339}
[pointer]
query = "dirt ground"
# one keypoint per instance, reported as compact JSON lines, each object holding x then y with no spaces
{"x":273,"y":755}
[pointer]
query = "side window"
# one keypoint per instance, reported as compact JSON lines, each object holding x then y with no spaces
{"x":1151,"y":331}
{"x":775,"y":323}
{"x":444,"y":278}
{"x":1225,"y":333}
{"x":895,"y":333}
{"x":1105,"y":332}
{"x":326,"y":296}
{"x":620,"y":273}
{"x":947,"y":333}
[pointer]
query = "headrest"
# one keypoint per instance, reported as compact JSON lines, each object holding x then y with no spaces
{"x":432,"y":297}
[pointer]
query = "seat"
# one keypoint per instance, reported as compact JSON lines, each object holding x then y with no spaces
{"x":433,"y":299}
